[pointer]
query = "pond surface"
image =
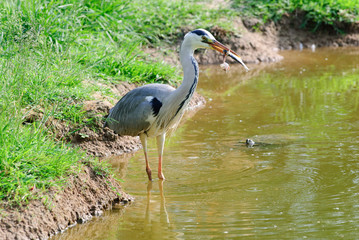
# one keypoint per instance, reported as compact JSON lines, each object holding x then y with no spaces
{"x":303,"y":183}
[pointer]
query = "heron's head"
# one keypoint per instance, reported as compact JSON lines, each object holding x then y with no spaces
{"x":201,"y":38}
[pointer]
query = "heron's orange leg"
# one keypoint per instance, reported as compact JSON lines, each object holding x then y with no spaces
{"x":148,"y":169}
{"x":160,"y":146}
{"x":143,"y":138}
{"x":160,"y":174}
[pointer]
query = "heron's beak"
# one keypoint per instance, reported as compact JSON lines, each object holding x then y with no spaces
{"x":215,"y":45}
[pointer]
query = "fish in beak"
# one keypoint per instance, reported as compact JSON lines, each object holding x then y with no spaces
{"x":215,"y":45}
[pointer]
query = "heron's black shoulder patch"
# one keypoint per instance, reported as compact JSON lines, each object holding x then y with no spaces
{"x":199,"y":32}
{"x":156,"y":106}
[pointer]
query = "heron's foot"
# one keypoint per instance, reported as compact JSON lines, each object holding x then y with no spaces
{"x":149,"y":173}
{"x":161,"y":176}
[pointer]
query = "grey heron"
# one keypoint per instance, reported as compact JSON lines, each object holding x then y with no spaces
{"x":153,"y":109}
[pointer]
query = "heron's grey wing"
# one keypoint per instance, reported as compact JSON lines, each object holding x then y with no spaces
{"x":136,"y":111}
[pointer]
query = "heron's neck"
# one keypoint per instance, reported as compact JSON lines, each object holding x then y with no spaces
{"x":190,"y":74}
{"x":177,"y":101}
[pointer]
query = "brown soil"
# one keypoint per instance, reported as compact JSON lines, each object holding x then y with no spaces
{"x":257,"y":43}
{"x":85,"y":196}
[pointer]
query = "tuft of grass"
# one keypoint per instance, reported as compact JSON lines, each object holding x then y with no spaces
{"x":43,"y":80}
{"x":323,"y":12}
{"x":31,"y":161}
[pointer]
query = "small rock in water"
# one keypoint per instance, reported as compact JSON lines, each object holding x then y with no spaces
{"x":249,"y":142}
{"x":300,"y":46}
{"x":313,"y":47}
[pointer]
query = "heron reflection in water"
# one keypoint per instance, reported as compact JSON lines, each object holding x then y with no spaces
{"x":163,"y":211}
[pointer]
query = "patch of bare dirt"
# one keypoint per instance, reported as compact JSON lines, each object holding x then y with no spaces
{"x":288,"y":33}
{"x":264,"y":43}
{"x":85,"y":196}
{"x":253,"y":47}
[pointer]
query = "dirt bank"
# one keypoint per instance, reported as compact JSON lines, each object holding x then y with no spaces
{"x":263,"y":43}
{"x":84,"y":196}
{"x":257,"y":43}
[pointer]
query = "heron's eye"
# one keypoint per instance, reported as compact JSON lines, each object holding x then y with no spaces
{"x":204,"y":39}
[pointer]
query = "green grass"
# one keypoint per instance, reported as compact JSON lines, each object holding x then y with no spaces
{"x":28,"y":167}
{"x":31,"y":161}
{"x":91,"y":33}
{"x":316,"y":13}
{"x":106,"y":36}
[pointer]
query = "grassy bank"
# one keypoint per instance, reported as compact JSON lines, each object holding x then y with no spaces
{"x":316,"y":13}
{"x":51,"y":53}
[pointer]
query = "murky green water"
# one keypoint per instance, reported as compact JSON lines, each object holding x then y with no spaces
{"x":304,"y":184}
